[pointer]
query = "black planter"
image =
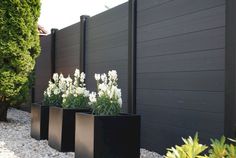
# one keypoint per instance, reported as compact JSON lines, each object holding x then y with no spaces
{"x":61,"y":134}
{"x":107,"y":136}
{"x":39,"y":121}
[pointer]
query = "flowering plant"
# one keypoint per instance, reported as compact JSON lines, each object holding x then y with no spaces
{"x":108,"y":99}
{"x":75,"y":95}
{"x":67,"y":92}
{"x":53,"y":94}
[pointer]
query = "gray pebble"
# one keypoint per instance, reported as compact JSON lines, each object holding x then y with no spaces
{"x":15,"y":140}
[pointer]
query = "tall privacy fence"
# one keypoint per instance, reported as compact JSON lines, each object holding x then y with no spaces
{"x":175,"y":60}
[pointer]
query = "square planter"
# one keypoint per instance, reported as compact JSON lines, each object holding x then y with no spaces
{"x":39,"y":121}
{"x":61,"y":134}
{"x":107,"y":136}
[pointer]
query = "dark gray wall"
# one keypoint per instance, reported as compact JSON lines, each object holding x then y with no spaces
{"x":230,"y":74}
{"x":67,"y":57}
{"x":68,"y":49}
{"x":107,"y":47}
{"x":42,"y":68}
{"x":180,"y":70}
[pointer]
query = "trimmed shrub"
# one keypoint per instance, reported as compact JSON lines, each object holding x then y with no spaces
{"x":19,"y":47}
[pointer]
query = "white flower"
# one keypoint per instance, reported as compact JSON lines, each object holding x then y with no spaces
{"x":55,"y":77}
{"x":61,"y":76}
{"x":104,"y":77}
{"x":56,"y":91}
{"x":68,"y":79}
{"x":118,"y":93}
{"x":120,"y":102}
{"x":107,"y":89}
{"x":75,"y":83}
{"x":79,"y":90}
{"x":50,"y":84}
{"x":63,"y":100}
{"x":68,"y":82}
{"x":112,"y":75}
{"x":73,"y":87}
{"x":62,"y":86}
{"x":86,"y":93}
{"x":64,"y":95}
{"x":48,"y":92}
{"x":82,"y":85}
{"x":82,"y":77}
{"x":77,"y":73}
{"x":102,"y":87}
{"x":100,"y":93}
{"x":92,"y":97}
{"x":67,"y":92}
{"x":97,"y":77}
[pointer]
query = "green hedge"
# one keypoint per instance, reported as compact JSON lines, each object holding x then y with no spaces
{"x":19,"y":47}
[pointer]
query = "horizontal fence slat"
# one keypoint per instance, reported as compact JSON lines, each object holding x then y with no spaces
{"x":206,"y":19}
{"x":198,"y":41}
{"x":198,"y":81}
{"x":193,"y":100}
{"x":174,"y":9}
{"x":197,"y":61}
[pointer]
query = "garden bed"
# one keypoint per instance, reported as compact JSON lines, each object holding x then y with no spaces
{"x":15,"y":140}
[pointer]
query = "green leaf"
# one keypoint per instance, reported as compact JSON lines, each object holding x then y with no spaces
{"x":190,"y":149}
{"x":19,"y":47}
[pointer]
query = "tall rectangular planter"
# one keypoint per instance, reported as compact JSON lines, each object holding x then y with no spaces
{"x":107,"y":136}
{"x":61,"y":134}
{"x":39,"y":121}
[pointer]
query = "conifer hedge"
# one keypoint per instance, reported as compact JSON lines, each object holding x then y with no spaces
{"x":19,"y":47}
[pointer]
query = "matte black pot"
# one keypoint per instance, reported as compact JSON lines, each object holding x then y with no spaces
{"x":39,"y":121}
{"x":107,"y":136}
{"x":61,"y":134}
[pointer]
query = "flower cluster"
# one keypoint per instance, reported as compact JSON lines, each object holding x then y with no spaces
{"x":71,"y":93}
{"x":67,"y":92}
{"x":76,"y":95}
{"x":108,"y":99}
{"x":53,"y":94}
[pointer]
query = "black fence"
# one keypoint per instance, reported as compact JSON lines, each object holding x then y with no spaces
{"x":175,"y":60}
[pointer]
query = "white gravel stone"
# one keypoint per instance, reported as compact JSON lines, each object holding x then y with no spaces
{"x":15,"y":140}
{"x":149,"y":154}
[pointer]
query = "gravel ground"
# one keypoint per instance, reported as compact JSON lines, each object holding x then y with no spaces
{"x":15,"y":140}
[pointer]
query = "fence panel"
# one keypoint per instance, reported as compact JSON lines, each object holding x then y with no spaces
{"x":180,"y":70}
{"x":180,"y":65}
{"x":68,"y":49}
{"x":42,"y":68}
{"x":107,"y":46}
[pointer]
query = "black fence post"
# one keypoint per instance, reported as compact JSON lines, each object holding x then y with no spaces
{"x":53,"y":51}
{"x":33,"y":86}
{"x":230,"y":70}
{"x":83,"y":20}
{"x":132,"y":48}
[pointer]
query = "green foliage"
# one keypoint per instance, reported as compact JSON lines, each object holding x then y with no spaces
{"x":190,"y":149}
{"x":73,"y":101}
{"x":104,"y":106}
{"x":53,"y":94}
{"x":53,"y":100}
{"x":220,"y":149}
{"x":75,"y":95}
{"x":108,"y":100}
{"x":19,"y":47}
{"x":231,"y":149}
{"x":193,"y":149}
{"x":67,"y":92}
